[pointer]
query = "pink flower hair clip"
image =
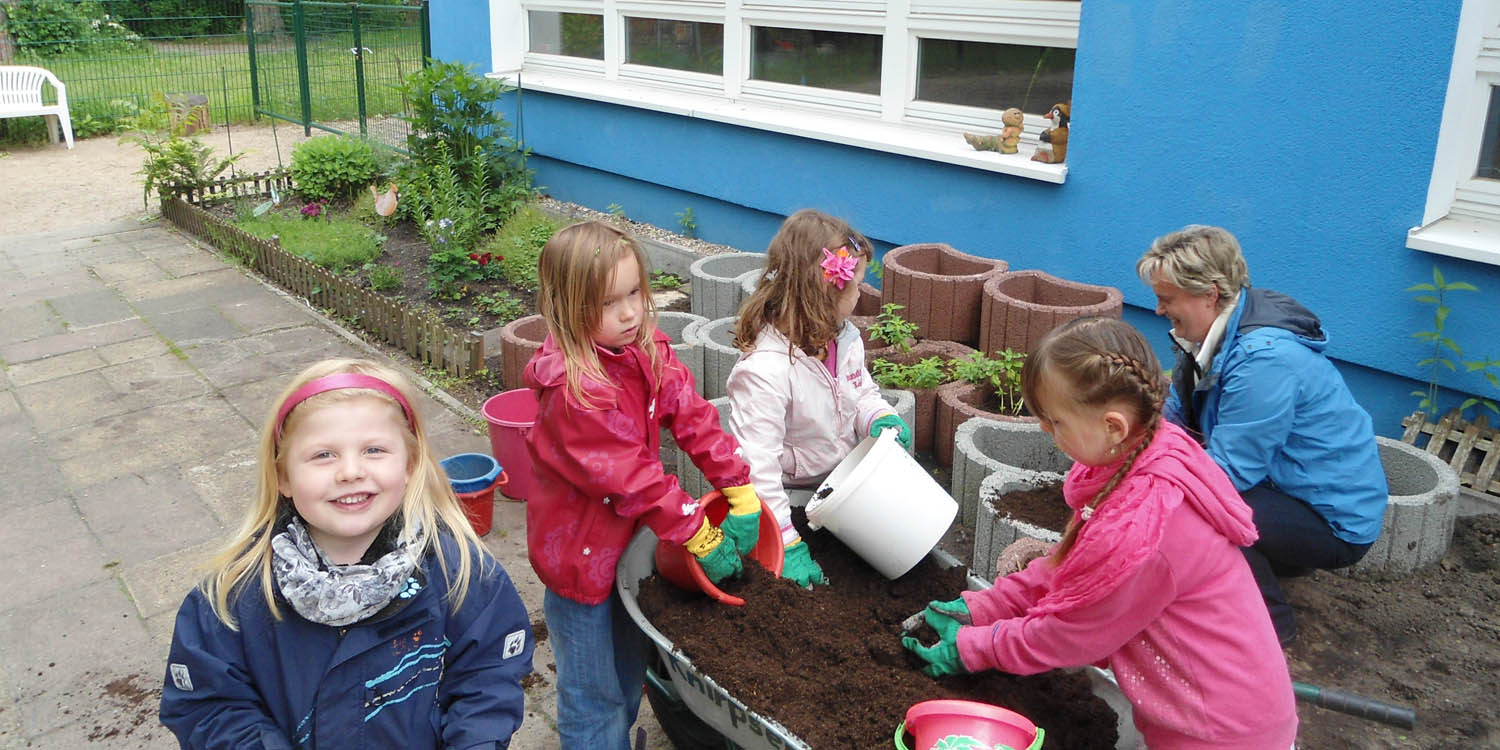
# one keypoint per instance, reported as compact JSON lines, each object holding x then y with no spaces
{"x":838,"y":266}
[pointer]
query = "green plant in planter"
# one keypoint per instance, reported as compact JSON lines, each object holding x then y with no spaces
{"x":1436,"y":294}
{"x":891,"y":329}
{"x":876,"y":268}
{"x":332,"y":167}
{"x":666,"y":281}
{"x":1003,"y":373}
{"x":922,"y":374}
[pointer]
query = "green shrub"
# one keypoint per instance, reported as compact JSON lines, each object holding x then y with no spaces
{"x":333,"y":242}
{"x":519,"y":243}
{"x":48,"y":28}
{"x":332,"y":167}
{"x":384,"y":278}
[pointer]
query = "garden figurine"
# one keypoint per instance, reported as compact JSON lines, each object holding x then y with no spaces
{"x":1253,"y":385}
{"x":1007,"y":142}
{"x":1148,"y":576}
{"x":607,"y":381}
{"x":385,"y":203}
{"x":355,"y":600}
{"x":802,"y":397}
{"x":1054,"y":146}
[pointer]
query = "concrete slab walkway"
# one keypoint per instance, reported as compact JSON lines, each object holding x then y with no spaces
{"x":138,"y":368}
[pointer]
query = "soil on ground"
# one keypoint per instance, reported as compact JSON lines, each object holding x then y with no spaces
{"x":828,"y":663}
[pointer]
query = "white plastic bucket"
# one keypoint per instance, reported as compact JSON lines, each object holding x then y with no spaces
{"x":883,"y":505}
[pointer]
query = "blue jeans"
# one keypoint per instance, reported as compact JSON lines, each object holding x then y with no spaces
{"x":1294,"y":540}
{"x":601,"y":666}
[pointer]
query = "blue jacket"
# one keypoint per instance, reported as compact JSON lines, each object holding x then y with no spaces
{"x":422,"y":677}
{"x":1272,"y":408}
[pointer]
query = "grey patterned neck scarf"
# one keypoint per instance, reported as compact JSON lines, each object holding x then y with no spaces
{"x":335,"y":594}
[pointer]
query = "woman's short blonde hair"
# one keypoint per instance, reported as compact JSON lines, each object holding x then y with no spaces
{"x":1197,"y":259}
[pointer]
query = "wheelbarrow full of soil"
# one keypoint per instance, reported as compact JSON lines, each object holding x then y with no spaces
{"x":698,"y":713}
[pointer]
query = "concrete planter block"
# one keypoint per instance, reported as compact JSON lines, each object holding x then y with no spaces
{"x":675,"y":324}
{"x":748,"y":282}
{"x":940,"y":289}
{"x":1016,"y":451}
{"x":1019,"y":307}
{"x":995,"y":530}
{"x":958,"y":402}
{"x":519,"y":339}
{"x":716,"y":340}
{"x":1419,"y":517}
{"x":718,"y":282}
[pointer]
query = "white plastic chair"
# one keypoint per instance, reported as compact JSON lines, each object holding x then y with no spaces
{"x":21,"y":96}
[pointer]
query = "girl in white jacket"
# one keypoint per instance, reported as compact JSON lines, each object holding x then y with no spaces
{"x":801,"y":396}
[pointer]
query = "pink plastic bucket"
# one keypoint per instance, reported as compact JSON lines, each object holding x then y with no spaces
{"x":510,"y":415}
{"x":955,"y":723}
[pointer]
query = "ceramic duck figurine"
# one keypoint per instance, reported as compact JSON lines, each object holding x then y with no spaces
{"x":1054,"y":148}
{"x":385,"y":203}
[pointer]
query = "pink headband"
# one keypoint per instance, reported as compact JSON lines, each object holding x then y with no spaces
{"x":339,"y":382}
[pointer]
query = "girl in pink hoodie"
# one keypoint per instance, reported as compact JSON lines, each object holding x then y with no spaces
{"x":1148,"y":577}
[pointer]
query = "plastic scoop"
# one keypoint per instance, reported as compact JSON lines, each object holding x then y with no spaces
{"x":680,"y":567}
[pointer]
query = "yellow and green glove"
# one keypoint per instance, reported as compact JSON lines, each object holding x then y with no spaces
{"x":742,"y":525}
{"x":797,"y":565}
{"x":892,"y":422}
{"x":942,"y":657}
{"x":719,"y":560}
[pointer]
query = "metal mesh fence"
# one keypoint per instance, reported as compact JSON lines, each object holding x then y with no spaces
{"x":199,"y":52}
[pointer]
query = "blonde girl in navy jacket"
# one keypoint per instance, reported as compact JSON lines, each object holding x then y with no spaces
{"x":354,"y":607}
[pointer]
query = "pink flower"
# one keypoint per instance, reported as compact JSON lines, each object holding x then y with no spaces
{"x":312,"y":210}
{"x":838,"y":266}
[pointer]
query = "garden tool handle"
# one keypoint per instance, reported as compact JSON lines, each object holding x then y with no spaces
{"x":1356,"y":705}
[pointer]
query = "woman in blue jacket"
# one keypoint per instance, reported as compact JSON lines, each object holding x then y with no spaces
{"x":354,"y":607}
{"x":1253,"y":385}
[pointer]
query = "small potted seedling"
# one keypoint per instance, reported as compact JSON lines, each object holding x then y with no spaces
{"x":920,"y":376}
{"x":980,"y":386}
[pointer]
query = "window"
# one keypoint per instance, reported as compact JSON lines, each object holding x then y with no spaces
{"x":1462,"y":215}
{"x":995,"y":76}
{"x":907,"y":76}
{"x":569,"y":34}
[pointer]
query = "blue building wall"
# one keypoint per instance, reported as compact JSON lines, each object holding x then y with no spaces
{"x":461,"y":32}
{"x":1308,"y":129}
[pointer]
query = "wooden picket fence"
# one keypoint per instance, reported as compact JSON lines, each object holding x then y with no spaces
{"x":1471,"y":448}
{"x":422,"y":336}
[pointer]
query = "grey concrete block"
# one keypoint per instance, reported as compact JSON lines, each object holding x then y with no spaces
{"x":717,"y":282}
{"x":1419,"y":516}
{"x":716,"y":339}
{"x":985,"y":446}
{"x":675,"y":324}
{"x":994,"y":530}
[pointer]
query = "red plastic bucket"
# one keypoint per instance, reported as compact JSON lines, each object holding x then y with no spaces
{"x":479,"y":506}
{"x":510,"y":415}
{"x":678,"y":566}
{"x":955,"y":723}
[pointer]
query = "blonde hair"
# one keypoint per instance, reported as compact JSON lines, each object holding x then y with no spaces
{"x":792,"y":294}
{"x":1197,"y":259}
{"x":1097,"y":362}
{"x":428,"y":501}
{"x":575,"y":270}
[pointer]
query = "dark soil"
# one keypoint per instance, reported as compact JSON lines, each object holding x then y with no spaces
{"x":1430,"y":642}
{"x":829,"y":666}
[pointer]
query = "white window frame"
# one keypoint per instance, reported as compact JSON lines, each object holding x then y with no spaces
{"x":1462,"y":216}
{"x":893,"y":121}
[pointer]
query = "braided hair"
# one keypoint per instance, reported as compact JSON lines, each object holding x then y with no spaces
{"x":1098,"y":362}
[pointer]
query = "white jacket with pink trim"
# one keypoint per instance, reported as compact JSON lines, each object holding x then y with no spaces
{"x":794,"y":420}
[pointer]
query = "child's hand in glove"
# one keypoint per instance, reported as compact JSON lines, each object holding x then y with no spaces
{"x":719,"y":560}
{"x":742,"y":525}
{"x":893,"y":422}
{"x":798,"y":565}
{"x":942,"y":657}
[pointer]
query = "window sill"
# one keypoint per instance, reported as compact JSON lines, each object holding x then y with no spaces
{"x":946,"y":146}
{"x":1470,"y":239}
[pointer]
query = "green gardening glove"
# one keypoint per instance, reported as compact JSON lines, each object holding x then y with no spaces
{"x":742,"y":525}
{"x":718,"y":560}
{"x":797,"y":565}
{"x":942,"y":657}
{"x":893,"y":422}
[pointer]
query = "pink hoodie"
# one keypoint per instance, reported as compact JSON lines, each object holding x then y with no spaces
{"x":1156,"y":586}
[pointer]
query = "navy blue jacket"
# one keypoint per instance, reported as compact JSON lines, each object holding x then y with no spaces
{"x":422,"y":677}
{"x":1272,"y":408}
